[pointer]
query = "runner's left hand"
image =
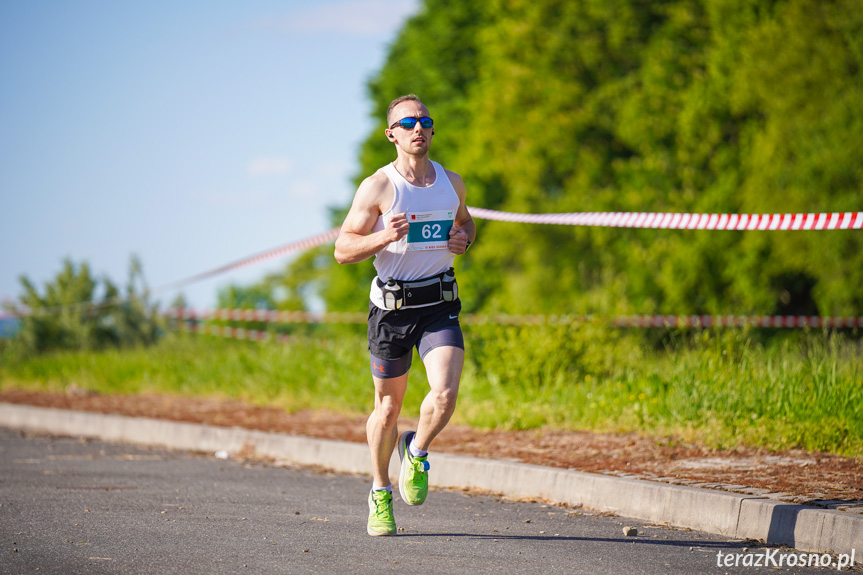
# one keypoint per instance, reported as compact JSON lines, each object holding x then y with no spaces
{"x":457,"y":240}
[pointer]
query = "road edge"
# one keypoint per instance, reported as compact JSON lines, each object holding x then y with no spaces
{"x":734,"y":515}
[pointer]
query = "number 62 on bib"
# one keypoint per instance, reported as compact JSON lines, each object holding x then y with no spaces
{"x":429,"y":230}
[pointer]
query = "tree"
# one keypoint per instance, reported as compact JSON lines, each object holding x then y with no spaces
{"x":720,"y":106}
{"x":77,"y":311}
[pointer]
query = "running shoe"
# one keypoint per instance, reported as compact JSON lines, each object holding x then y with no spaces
{"x":381,"y":520}
{"x":413,"y":476}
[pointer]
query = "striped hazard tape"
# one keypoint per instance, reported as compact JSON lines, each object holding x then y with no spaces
{"x":263,"y":315}
{"x":294,"y":247}
{"x":664,"y":321}
{"x":769,"y":321}
{"x":766,"y":222}
{"x":232,"y":332}
{"x":674,"y":221}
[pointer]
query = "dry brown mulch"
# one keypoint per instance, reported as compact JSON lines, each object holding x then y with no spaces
{"x":804,"y":477}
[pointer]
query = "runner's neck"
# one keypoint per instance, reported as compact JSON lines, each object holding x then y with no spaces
{"x":418,"y":172}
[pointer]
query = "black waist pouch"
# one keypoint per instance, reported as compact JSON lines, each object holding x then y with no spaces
{"x":441,"y":287}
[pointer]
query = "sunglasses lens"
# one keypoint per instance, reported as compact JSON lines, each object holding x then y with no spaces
{"x":409,"y":123}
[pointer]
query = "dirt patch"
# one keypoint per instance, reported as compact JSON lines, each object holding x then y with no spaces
{"x":800,"y":476}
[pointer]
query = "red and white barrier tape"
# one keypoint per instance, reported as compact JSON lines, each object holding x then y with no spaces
{"x":234,"y":332}
{"x":768,"y":222}
{"x":774,"y":321}
{"x":298,"y":246}
{"x":267,"y":316}
{"x":767,"y":321}
{"x":306,"y":317}
{"x":762,"y":222}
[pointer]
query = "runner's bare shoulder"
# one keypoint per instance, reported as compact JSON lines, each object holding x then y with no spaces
{"x":456,"y":181}
{"x":376,"y":191}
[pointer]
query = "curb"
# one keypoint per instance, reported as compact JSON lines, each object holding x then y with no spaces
{"x":734,"y":515}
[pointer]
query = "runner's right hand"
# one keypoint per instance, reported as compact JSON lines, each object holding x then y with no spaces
{"x":397,"y":227}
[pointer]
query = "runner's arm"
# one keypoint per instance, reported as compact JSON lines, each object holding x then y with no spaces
{"x":464,"y":228}
{"x":356,"y":243}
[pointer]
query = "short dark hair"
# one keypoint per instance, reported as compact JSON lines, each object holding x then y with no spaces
{"x":399,"y":100}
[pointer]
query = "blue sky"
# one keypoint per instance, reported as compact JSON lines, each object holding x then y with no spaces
{"x":189,"y":133}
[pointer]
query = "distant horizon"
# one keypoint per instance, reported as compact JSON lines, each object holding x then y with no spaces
{"x":8,"y":326}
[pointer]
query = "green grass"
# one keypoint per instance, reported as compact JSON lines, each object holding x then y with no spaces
{"x":311,"y":373}
{"x":721,"y":388}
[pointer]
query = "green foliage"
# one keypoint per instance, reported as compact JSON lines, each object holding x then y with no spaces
{"x":257,"y":296}
{"x":298,"y":376}
{"x":77,"y":311}
{"x":720,"y":388}
{"x":722,"y":106}
{"x":294,"y":289}
{"x":298,"y":288}
{"x":436,"y":58}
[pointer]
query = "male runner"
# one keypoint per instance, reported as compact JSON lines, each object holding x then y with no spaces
{"x":411,"y":216}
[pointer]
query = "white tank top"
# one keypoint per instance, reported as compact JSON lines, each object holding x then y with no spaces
{"x":396,"y":260}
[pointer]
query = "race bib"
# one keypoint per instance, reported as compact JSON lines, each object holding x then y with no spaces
{"x":429,"y":230}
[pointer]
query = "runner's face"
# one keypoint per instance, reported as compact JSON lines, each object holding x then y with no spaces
{"x":417,"y":140}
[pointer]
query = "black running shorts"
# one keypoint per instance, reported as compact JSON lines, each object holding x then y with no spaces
{"x":394,"y":333}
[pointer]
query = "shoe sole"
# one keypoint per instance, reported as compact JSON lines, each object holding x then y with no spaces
{"x":403,"y":447}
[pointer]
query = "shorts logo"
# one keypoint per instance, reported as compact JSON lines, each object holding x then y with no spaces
{"x":376,"y":367}
{"x":453,"y":317}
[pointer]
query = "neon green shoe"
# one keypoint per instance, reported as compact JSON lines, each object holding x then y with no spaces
{"x":381,"y":520}
{"x":413,"y":476}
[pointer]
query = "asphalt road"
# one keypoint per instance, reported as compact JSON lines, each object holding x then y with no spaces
{"x":71,"y":506}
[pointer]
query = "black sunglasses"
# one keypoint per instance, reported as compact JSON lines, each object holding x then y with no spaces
{"x":409,"y":123}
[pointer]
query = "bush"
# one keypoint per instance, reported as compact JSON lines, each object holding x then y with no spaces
{"x":78,"y":311}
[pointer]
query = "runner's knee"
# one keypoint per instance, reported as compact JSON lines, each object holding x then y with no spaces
{"x":444,"y":398}
{"x":388,"y":412}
